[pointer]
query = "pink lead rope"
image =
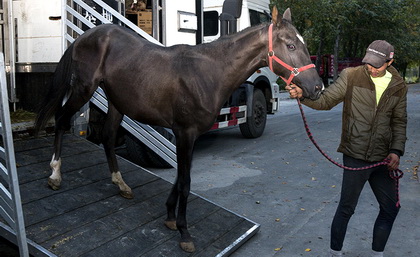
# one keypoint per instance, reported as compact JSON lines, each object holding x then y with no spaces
{"x":394,"y":174}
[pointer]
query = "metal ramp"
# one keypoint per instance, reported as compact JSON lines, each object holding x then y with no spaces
{"x":88,"y":217}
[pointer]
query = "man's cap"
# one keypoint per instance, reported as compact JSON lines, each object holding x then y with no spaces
{"x":378,"y":52}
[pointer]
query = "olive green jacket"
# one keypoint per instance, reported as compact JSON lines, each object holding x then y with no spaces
{"x":369,"y":131}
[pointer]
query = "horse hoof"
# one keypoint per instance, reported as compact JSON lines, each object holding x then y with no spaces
{"x":187,"y":246}
{"x":54,"y":184}
{"x":171,"y":224}
{"x":127,"y":194}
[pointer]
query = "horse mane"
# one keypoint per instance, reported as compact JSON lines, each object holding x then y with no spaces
{"x":241,"y":33}
{"x":226,"y":41}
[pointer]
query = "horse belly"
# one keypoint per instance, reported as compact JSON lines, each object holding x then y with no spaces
{"x":141,"y":105}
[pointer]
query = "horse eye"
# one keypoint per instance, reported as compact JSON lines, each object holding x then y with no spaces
{"x":291,"y":47}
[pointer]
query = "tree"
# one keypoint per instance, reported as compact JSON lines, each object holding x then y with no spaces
{"x":360,"y":23}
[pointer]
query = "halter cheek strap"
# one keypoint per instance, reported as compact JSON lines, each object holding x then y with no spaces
{"x":271,"y":55}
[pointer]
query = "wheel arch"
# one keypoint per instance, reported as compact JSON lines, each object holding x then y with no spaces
{"x":263,"y":83}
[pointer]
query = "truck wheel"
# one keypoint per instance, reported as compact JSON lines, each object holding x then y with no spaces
{"x":136,"y":150}
{"x":144,"y":156}
{"x":95,"y":126}
{"x":255,"y":125}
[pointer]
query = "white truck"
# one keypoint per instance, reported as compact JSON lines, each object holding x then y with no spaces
{"x":39,"y":33}
{"x":262,"y":85}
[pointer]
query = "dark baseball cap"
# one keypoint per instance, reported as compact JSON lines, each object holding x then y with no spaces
{"x":378,"y":52}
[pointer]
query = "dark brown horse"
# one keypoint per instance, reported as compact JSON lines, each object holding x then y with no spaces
{"x":180,"y":87}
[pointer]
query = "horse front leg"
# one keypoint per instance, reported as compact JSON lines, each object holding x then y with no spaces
{"x":181,"y":191}
{"x":109,"y":135}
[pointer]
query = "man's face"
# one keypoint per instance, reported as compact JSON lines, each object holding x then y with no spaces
{"x":377,"y":72}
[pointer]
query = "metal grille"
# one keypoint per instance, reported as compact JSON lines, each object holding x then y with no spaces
{"x":10,"y":201}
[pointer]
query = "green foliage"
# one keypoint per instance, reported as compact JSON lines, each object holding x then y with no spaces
{"x":358,"y":22}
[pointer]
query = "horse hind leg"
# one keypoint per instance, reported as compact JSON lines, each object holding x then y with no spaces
{"x":109,"y":135}
{"x":62,"y":124}
{"x":54,"y":181}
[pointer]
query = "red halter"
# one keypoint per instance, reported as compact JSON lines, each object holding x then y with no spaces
{"x":293,"y":71}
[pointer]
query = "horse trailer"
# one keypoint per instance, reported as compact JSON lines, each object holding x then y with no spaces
{"x":36,"y":33}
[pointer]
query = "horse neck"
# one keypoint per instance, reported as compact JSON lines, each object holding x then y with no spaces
{"x":243,"y":53}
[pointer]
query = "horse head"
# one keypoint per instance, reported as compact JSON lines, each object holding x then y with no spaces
{"x":288,"y":56}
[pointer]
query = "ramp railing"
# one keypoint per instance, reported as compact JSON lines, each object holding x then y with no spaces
{"x":77,"y":17}
{"x":10,"y":201}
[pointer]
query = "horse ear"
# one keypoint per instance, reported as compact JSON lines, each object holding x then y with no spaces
{"x":287,"y":15}
{"x":274,"y":15}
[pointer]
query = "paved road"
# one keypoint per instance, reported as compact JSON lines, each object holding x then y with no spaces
{"x":283,"y":183}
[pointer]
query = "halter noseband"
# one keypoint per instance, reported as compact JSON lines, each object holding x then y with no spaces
{"x":293,"y":71}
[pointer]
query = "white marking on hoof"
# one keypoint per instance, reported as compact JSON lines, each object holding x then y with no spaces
{"x":187,"y":246}
{"x":125,"y":190}
{"x":54,"y":181}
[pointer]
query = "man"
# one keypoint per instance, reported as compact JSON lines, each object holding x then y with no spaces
{"x":374,"y":124}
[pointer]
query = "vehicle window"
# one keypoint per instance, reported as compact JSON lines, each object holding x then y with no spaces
{"x":211,"y":23}
{"x":257,"y":17}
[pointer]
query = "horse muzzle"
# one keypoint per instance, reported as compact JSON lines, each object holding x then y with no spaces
{"x":311,"y":89}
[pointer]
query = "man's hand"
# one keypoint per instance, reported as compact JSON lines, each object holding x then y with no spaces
{"x":394,"y":161}
{"x":294,"y":91}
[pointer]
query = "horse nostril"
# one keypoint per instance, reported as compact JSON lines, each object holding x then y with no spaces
{"x":319,"y":87}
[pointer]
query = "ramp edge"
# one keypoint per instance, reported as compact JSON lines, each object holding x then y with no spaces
{"x":34,"y":248}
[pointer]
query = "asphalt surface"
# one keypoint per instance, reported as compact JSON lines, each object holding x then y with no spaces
{"x":283,"y":183}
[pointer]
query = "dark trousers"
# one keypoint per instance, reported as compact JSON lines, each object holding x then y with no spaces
{"x":385,"y":192}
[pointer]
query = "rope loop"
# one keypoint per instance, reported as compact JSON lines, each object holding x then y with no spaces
{"x":396,"y":174}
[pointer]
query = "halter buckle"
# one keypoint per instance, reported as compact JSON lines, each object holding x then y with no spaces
{"x":271,"y":53}
{"x":295,"y":72}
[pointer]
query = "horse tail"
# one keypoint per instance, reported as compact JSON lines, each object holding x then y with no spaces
{"x":58,"y":88}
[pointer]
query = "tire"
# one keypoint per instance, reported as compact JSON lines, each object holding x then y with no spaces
{"x":136,"y":151}
{"x":95,"y":126}
{"x":255,"y":124}
{"x":144,"y":156}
